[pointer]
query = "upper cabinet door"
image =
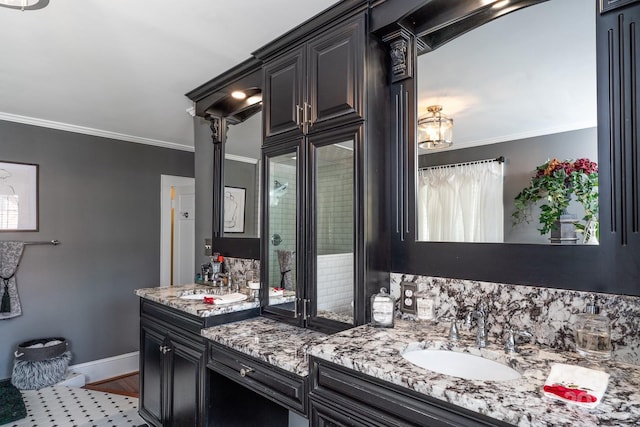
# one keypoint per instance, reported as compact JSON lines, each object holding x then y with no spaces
{"x":283,"y":97}
{"x":317,"y":85}
{"x":336,"y":75}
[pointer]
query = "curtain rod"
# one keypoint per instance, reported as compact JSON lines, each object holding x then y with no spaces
{"x":497,"y":159}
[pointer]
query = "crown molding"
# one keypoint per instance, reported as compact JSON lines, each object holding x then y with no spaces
{"x":91,"y":131}
{"x":240,"y":158}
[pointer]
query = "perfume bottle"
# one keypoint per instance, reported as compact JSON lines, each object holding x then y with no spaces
{"x":593,"y":333}
{"x":382,"y":309}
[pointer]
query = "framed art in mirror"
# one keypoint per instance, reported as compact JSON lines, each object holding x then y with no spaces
{"x":234,"y":202}
{"x":18,"y":196}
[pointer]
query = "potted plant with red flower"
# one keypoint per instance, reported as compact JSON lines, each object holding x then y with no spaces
{"x":554,"y":185}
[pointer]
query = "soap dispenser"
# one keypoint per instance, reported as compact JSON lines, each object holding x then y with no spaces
{"x":593,"y":333}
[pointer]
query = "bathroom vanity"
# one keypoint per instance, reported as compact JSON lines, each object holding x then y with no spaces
{"x":344,"y":82}
{"x":173,"y":375}
{"x":268,"y":361}
{"x":360,"y":374}
{"x":203,"y":371}
{"x":359,"y":377}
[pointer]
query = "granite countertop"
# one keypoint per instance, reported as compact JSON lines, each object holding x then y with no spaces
{"x":277,"y":343}
{"x":170,"y":296}
{"x":377,"y":352}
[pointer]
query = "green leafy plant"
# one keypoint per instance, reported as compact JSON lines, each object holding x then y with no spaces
{"x":553,"y":185}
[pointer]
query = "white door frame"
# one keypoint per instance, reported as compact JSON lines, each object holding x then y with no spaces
{"x":166,"y":182}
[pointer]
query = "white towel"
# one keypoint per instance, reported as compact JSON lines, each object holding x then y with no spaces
{"x":576,"y":385}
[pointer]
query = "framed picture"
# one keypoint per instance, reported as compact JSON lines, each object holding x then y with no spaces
{"x":234,"y":200}
{"x":18,"y":196}
{"x":608,"y":5}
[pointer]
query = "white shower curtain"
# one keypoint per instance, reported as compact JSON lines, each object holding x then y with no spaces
{"x":461,"y":203}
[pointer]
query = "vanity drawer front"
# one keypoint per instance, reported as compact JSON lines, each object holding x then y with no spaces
{"x":176,"y":319}
{"x":282,"y":387}
{"x":329,"y":382}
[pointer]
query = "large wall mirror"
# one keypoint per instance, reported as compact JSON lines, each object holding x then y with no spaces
{"x":241,"y":217}
{"x":232,"y":102}
{"x":521,"y":91}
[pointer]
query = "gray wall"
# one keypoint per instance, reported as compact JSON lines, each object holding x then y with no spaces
{"x":521,"y":158}
{"x":204,"y":187}
{"x":101,"y":199}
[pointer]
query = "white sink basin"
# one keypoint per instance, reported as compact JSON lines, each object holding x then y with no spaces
{"x":462,"y":365}
{"x":218,"y":299}
{"x":196,"y":296}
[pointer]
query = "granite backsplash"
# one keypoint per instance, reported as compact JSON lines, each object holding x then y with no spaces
{"x":549,"y":314}
{"x":241,"y":269}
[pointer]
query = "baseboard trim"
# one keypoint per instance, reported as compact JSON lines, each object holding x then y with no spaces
{"x":98,"y":370}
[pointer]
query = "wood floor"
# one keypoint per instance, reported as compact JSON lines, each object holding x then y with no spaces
{"x":125,"y":385}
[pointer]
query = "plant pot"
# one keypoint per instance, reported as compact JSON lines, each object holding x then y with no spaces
{"x":564,"y":231}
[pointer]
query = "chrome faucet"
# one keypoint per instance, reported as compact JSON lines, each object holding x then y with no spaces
{"x":510,"y":343}
{"x":480,"y":316}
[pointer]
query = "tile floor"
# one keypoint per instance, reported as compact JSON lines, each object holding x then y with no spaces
{"x":60,"y":406}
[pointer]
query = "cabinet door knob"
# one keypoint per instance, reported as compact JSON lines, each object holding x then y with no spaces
{"x":244,"y":371}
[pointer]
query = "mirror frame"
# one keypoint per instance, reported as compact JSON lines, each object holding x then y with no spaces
{"x":211,"y":102}
{"x":581,"y":267}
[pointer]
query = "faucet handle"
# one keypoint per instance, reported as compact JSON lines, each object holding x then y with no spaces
{"x":453,"y":328}
{"x":510,"y":344}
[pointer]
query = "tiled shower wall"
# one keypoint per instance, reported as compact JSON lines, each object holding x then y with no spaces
{"x":282,"y":219}
{"x":335,"y":283}
{"x":335,"y":207}
{"x":549,"y":314}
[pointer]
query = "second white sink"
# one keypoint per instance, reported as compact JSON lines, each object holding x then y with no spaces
{"x":218,"y":299}
{"x":462,"y":365}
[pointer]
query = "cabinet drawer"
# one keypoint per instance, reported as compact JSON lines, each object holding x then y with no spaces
{"x":280,"y":386}
{"x":329,"y":382}
{"x":331,"y":413}
{"x":174,"y":318}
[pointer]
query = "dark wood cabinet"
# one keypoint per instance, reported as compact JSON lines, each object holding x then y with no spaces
{"x":249,"y":392}
{"x":280,"y":386}
{"x":316,"y":83}
{"x":342,"y":397}
{"x":618,"y":149}
{"x":283,"y":99}
{"x":314,"y":106}
{"x":173,"y":374}
{"x":173,"y":378}
{"x":152,"y":370}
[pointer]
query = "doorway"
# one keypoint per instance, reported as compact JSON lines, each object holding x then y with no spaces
{"x":177,"y":230}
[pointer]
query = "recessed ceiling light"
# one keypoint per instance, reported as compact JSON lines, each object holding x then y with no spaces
{"x":238,"y":94}
{"x":254,"y":99}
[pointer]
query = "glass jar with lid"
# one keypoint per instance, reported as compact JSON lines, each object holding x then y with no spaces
{"x":593,"y":333}
{"x":382,"y":309}
{"x":425,"y":305}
